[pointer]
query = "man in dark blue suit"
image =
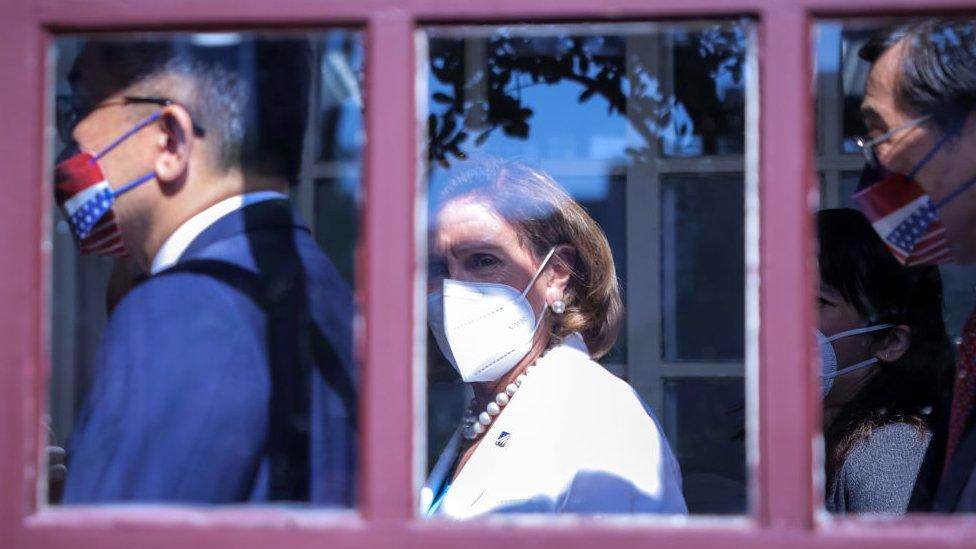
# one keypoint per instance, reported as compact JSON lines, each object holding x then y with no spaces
{"x":919,"y":108}
{"x":226,"y":374}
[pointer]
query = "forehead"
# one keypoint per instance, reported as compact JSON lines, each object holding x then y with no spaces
{"x":880,"y":89}
{"x":469,"y":221}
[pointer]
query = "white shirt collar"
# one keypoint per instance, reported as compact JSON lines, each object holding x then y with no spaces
{"x":180,"y":240}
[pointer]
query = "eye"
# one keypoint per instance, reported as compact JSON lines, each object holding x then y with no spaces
{"x":824,"y":302}
{"x":481,"y":261}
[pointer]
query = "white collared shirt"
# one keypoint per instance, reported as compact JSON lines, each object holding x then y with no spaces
{"x":180,"y":240}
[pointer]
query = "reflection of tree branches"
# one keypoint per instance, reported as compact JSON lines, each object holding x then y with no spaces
{"x":480,"y":100}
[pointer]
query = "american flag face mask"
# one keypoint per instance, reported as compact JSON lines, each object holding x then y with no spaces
{"x":904,"y":215}
{"x":85,"y":197}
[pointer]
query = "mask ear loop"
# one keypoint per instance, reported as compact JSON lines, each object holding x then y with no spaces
{"x":132,"y":131}
{"x":855,"y":367}
{"x":545,"y":306}
{"x":139,"y":125}
{"x":928,"y":156}
{"x":961,"y":188}
{"x":538,"y":271}
{"x":863,"y":363}
{"x":859,"y":331}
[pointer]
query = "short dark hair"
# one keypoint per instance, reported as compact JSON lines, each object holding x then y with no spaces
{"x":855,"y":262}
{"x":251,"y":97}
{"x":938,"y":68}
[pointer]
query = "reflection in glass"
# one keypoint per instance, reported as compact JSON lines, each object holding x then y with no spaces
{"x":706,"y":418}
{"x":523,"y":298}
{"x":886,"y":362}
{"x":643,"y":126}
{"x":702,"y":270}
{"x":910,"y":418}
{"x":211,"y":362}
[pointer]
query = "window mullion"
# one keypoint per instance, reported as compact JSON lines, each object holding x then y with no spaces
{"x":787,"y":412}
{"x":388,"y":258}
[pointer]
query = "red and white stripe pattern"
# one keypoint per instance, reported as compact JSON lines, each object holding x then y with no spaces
{"x":905,"y":218}
{"x":79,"y":182}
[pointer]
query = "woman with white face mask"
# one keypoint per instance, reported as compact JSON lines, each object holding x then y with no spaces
{"x":523,"y":298}
{"x":886,"y":360}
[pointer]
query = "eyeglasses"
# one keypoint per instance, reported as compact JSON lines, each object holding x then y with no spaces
{"x":867,"y":145}
{"x":72,"y":109}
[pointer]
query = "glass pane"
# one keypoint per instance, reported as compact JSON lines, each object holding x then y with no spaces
{"x":338,"y":202}
{"x":706,"y":418}
{"x":706,"y":115}
{"x":895,"y":392}
{"x":568,"y":244}
{"x":702,"y":245}
{"x":341,"y":132}
{"x":201,"y":350}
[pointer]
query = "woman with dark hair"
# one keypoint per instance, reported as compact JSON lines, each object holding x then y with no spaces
{"x":523,"y":300}
{"x":886,"y":360}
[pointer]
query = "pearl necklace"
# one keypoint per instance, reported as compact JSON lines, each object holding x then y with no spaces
{"x":475,"y":426}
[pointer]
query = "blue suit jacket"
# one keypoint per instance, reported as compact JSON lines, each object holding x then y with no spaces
{"x":226,"y":378}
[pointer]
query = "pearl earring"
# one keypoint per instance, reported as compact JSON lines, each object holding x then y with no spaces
{"x":559,"y":306}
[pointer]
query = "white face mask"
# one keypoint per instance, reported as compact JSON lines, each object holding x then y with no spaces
{"x":483,"y":329}
{"x":828,"y":358}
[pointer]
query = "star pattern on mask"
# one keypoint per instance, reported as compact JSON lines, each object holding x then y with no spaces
{"x":84,"y":219}
{"x":908,"y":232}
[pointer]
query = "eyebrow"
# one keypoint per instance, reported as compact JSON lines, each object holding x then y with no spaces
{"x":473,"y":246}
{"x":870,"y":115}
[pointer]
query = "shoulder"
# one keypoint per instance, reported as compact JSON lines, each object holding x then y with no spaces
{"x":181,"y":296}
{"x":585,"y":387}
{"x":596,"y":416}
{"x":181,"y":319}
{"x":879,"y":473}
{"x":610,"y":449}
{"x":894,"y":442}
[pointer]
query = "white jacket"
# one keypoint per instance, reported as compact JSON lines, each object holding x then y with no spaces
{"x":576,"y":440}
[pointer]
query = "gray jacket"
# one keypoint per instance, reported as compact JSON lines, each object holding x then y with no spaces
{"x":879,"y":473}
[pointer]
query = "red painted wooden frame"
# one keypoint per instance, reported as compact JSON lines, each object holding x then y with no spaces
{"x":784,"y":508}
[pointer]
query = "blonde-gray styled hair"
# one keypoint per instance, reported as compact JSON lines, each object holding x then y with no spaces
{"x":544,"y":216}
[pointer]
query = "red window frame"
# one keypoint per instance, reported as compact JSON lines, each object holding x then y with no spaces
{"x":784,"y":506}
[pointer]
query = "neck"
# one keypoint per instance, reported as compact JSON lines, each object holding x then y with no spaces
{"x":194,"y":197}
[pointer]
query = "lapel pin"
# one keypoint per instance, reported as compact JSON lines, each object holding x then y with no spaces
{"x":503,"y":439}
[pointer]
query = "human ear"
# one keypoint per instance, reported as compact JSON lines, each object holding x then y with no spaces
{"x":560,"y":270}
{"x":175,"y":142}
{"x":895,"y":344}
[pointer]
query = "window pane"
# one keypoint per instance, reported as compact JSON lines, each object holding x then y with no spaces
{"x":701,"y":267}
{"x":337,"y":205}
{"x":577,"y":152}
{"x":894,"y":390}
{"x":201,"y":346}
{"x":706,"y":115}
{"x":341,"y":131}
{"x":706,"y":418}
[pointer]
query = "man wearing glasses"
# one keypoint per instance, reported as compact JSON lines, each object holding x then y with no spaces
{"x":226,"y":374}
{"x":918,"y":191}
